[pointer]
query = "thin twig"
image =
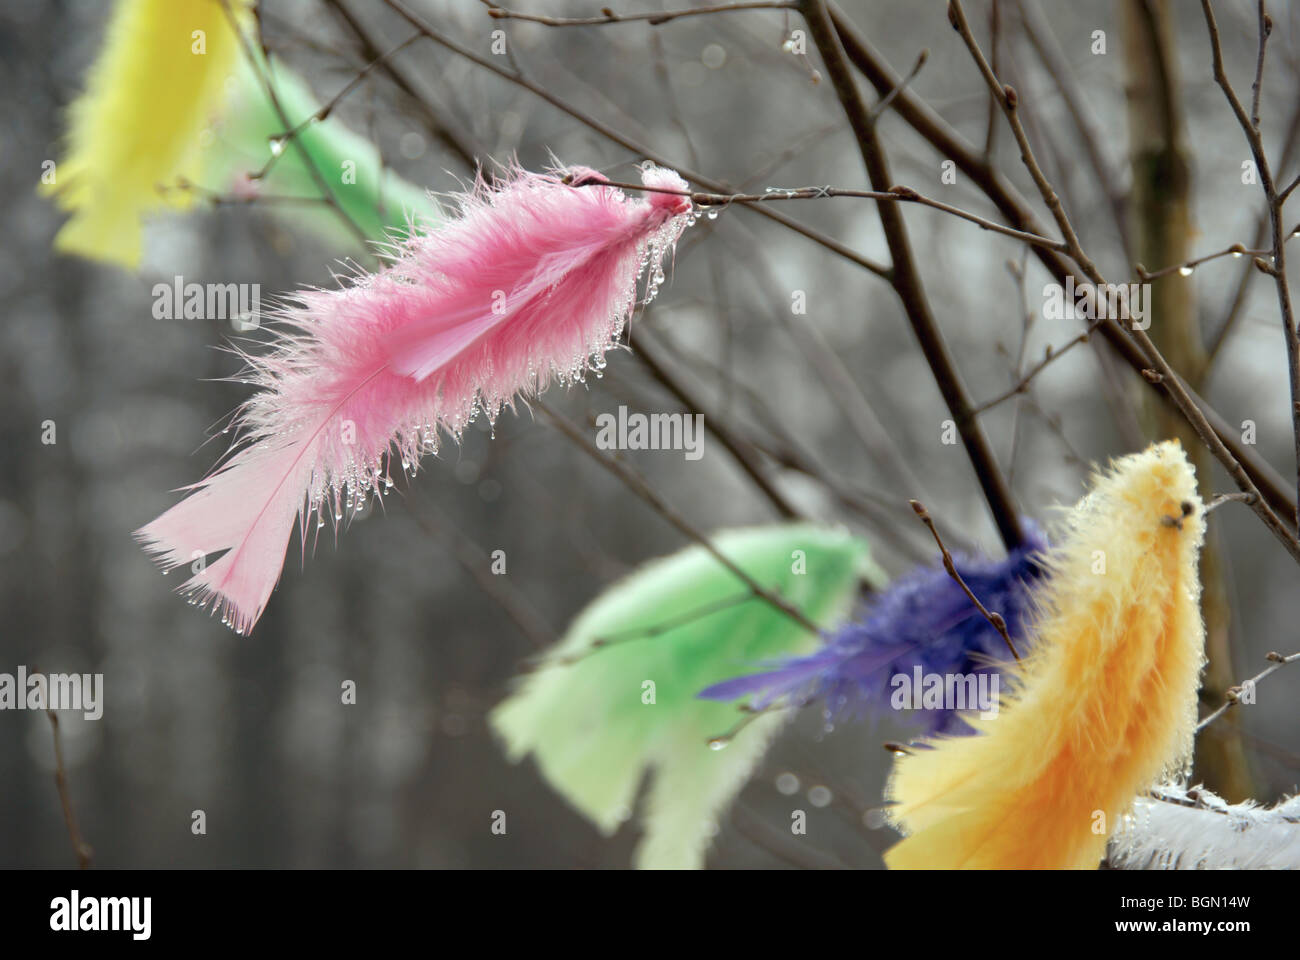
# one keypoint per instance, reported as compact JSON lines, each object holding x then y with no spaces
{"x":1238,"y":302}
{"x":1091,"y":138}
{"x":1277,"y":266}
{"x":895,"y":194}
{"x":883,"y":103}
{"x":1193,"y":800}
{"x":442,"y":128}
{"x":932,"y":128}
{"x":995,"y":46}
{"x":1008,"y":99}
{"x":217,"y":199}
{"x":748,"y":714}
{"x":1050,"y":356}
{"x":1157,"y":369}
{"x":654,"y":630}
{"x":477,"y":563}
{"x":1221,"y":499}
{"x":796,"y":149}
{"x":926,"y":122}
{"x":833,"y":375}
{"x":1019,"y":277}
{"x":741,"y":452}
{"x":993,"y":618}
{"x":906,"y":280}
{"x":1286,"y":191}
{"x":323,"y":114}
{"x":870,"y":506}
{"x":438,"y":37}
{"x":642,"y":489}
{"x":1257,"y":88}
{"x":654,"y":18}
{"x":308,"y":161}
{"x":80,"y":847}
{"x":1276,"y":662}
{"x":1236,"y":251}
{"x":780,"y":843}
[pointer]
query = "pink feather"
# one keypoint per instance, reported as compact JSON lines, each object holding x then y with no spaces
{"x":532,"y":281}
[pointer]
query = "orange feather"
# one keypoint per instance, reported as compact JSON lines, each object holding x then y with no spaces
{"x":1103,"y":709}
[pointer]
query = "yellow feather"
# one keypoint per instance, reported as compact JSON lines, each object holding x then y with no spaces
{"x":1103,"y":709}
{"x":148,"y":99}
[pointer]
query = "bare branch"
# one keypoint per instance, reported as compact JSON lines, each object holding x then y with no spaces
{"x":1277,"y":263}
{"x":308,"y":162}
{"x":476,"y":562}
{"x":439,"y":124}
{"x":906,"y":280}
{"x":79,"y":846}
{"x":1236,"y":251}
{"x":1015,"y":208}
{"x":654,"y":18}
{"x":658,"y":629}
{"x":1276,"y":662}
{"x":1257,"y":88}
{"x":1157,"y":370}
{"x":1051,"y":356}
{"x":638,"y":485}
{"x":896,"y":194}
{"x":626,"y":142}
{"x":996,"y":619}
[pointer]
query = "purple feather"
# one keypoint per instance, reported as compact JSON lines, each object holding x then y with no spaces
{"x":922,"y":620}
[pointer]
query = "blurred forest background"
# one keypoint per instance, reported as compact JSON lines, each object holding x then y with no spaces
{"x":251,"y":729}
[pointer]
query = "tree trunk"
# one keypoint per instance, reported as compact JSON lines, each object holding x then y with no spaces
{"x":1161,"y":233}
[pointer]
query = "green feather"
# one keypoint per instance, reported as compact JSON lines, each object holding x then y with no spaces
{"x":377,"y":200}
{"x":582,"y":712}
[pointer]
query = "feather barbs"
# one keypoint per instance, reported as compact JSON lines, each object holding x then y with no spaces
{"x":1104,"y":707}
{"x":534,"y":280}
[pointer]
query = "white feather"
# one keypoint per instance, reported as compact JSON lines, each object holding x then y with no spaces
{"x":1180,"y":829}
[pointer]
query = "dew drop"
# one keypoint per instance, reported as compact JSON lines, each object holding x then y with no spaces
{"x":1184,"y":271}
{"x":874,"y":819}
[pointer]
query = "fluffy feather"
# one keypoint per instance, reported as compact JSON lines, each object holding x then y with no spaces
{"x":533,"y":281}
{"x":1179,"y":829}
{"x":923,"y":619}
{"x":583,"y":715}
{"x":137,"y":126}
{"x":1106,"y":704}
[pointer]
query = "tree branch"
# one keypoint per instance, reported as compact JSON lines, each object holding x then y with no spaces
{"x":906,"y":280}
